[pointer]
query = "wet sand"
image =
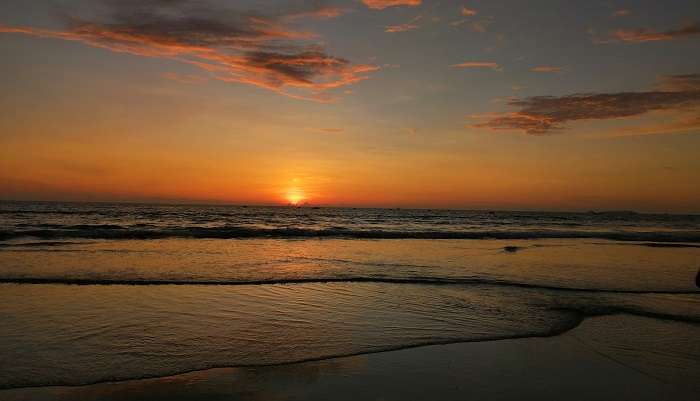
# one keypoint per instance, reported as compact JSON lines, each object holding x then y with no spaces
{"x":606,"y":358}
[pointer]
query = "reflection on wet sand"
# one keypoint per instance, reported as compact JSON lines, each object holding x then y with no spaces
{"x":526,"y":369}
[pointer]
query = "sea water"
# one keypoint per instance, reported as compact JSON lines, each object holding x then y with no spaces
{"x":102,"y":292}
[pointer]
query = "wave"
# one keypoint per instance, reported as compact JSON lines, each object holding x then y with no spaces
{"x":111,"y":231}
{"x":327,"y":280}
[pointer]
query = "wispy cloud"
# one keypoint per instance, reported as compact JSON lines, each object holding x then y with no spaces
{"x":468,"y":12}
{"x":479,"y":64}
{"x":239,"y":47}
{"x":621,"y":13}
{"x":322,"y":12}
{"x":679,"y":83}
{"x":331,"y":130}
{"x":410,"y":25}
{"x":641,"y":35}
{"x":542,"y":114}
{"x":476,"y":26}
{"x":547,"y":69}
{"x":678,"y":122}
{"x":479,"y":26}
{"x":382,"y":4}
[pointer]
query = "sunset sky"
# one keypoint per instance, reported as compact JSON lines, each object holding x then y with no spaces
{"x":553,"y":105}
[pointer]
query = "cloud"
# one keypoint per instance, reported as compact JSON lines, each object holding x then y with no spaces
{"x":240,"y":47}
{"x":479,"y":26}
{"x":543,"y":114}
{"x":410,"y":25}
{"x":621,"y":13}
{"x":680,"y":123}
{"x":679,"y":83}
{"x":331,"y":130}
{"x":548,"y":69}
{"x":382,"y":4}
{"x":641,"y":35}
{"x":468,"y":12}
{"x":321,"y":12}
{"x":479,"y":64}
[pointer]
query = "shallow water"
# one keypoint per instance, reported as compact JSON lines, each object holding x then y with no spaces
{"x":164,"y":304}
{"x":139,"y":221}
{"x":570,"y":366}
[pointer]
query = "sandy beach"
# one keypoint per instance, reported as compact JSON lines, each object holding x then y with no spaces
{"x":581,"y":364}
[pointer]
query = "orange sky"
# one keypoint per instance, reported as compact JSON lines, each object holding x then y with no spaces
{"x":377,"y":104}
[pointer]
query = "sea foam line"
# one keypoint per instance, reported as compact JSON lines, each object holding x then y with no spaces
{"x":326,"y":280}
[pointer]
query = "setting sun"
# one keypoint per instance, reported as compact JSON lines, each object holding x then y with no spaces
{"x":295,"y":196}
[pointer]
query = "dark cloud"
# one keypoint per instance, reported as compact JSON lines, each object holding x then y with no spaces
{"x":300,"y":68}
{"x":542,"y":114}
{"x":235,"y":46}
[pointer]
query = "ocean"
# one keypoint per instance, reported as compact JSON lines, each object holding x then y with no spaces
{"x":97,"y":292}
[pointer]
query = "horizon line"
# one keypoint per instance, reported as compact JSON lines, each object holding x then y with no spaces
{"x":311,"y":206}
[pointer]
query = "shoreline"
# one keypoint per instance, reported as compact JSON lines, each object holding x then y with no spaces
{"x":555,"y":333}
{"x":549,"y":355}
{"x":333,"y":280}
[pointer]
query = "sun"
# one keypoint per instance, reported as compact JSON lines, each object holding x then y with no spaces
{"x":295,"y":196}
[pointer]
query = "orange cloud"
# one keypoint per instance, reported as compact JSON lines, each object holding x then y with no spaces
{"x":331,"y":130}
{"x":548,"y":69}
{"x":642,"y":35}
{"x":543,"y":114}
{"x":467,"y":12}
{"x":245,"y":49}
{"x":478,"y":27}
{"x":478,"y":64}
{"x":382,"y":4}
{"x":325,"y":12}
{"x":410,"y":25}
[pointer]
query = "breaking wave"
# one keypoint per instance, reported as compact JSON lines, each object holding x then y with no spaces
{"x":115,"y":232}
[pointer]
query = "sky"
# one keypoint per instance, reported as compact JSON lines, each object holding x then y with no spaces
{"x":500,"y":104}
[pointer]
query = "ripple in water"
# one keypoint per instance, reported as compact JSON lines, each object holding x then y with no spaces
{"x":57,"y":334}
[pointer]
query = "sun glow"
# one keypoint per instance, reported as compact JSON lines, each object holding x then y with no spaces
{"x":295,"y":196}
